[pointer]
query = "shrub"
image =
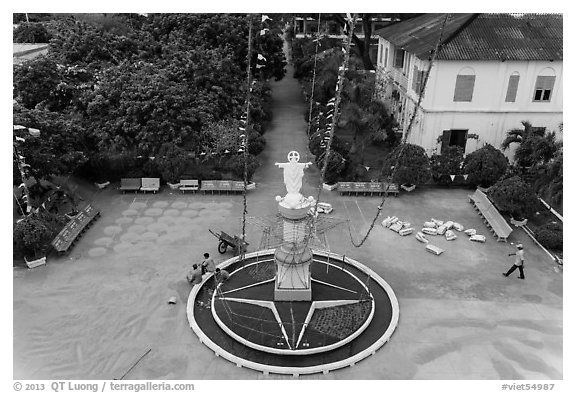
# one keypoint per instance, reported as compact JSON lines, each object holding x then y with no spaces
{"x":550,"y":235}
{"x":171,"y":162}
{"x":514,"y":196}
{"x":31,"y":33}
{"x":355,"y":172}
{"x":485,"y":166}
{"x":256,"y":143}
{"x":317,"y":144}
{"x":445,"y":164}
{"x":31,"y":236}
{"x":109,"y":166}
{"x":407,"y":164}
{"x":336,"y":165}
{"x":235,"y":164}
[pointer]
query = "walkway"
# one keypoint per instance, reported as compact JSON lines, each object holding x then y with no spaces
{"x":286,"y":132}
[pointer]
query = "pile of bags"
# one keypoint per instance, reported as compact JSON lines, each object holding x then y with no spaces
{"x":403,"y":228}
{"x":437,"y":227}
{"x":433,"y":227}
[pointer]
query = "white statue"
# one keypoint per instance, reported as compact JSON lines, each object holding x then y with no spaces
{"x":293,"y":174}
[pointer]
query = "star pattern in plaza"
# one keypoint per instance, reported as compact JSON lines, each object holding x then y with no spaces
{"x":292,"y":318}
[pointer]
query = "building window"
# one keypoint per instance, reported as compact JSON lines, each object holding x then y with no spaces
{"x":454,"y":138}
{"x":464,"y":86}
{"x":543,"y":89}
{"x":398,"y":58}
{"x":417,"y":80}
{"x":512,"y":87}
{"x":385,"y":57}
{"x":406,"y":69}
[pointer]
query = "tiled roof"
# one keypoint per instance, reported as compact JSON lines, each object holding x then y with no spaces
{"x":481,"y":36}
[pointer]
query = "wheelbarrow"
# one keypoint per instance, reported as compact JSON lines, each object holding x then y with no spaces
{"x":226,"y":241}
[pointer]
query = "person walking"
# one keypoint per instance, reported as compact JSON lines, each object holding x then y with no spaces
{"x":518,"y":263}
{"x":208,"y":265}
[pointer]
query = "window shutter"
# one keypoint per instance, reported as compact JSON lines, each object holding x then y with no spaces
{"x":512,"y":88}
{"x":399,"y":58}
{"x":464,"y":88}
{"x":445,"y":140}
{"x":421,"y":75}
{"x":415,"y":77}
{"x":545,"y":82}
{"x":544,"y":86}
{"x":386,"y":57}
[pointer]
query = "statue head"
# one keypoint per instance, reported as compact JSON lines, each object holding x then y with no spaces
{"x":293,"y":156}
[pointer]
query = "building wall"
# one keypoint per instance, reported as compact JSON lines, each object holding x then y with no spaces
{"x":482,"y":128}
{"x":487,"y":117}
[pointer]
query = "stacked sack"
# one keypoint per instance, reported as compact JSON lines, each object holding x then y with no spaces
{"x":474,"y":237}
{"x":403,"y":228}
{"x":438,"y":227}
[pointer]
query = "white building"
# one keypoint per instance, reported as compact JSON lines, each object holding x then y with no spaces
{"x":491,"y":72}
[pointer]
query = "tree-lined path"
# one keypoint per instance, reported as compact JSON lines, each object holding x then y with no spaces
{"x":286,"y":132}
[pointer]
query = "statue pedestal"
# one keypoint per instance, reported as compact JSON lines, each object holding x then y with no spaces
{"x":293,"y":258}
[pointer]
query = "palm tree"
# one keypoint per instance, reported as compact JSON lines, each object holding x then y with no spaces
{"x":536,"y":144}
{"x":518,"y":135}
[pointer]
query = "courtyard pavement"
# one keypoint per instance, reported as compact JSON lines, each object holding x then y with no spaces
{"x":92,"y":313}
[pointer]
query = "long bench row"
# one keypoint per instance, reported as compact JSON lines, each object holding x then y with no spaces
{"x":368,"y":188}
{"x":74,"y":229}
{"x":226,"y":186}
{"x":492,"y":217}
{"x":153,"y":184}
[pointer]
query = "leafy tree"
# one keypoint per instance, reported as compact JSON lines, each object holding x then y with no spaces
{"x":32,"y":33}
{"x":535,"y":144}
{"x":550,"y":236}
{"x":536,"y":149}
{"x":448,"y":163}
{"x":271,"y":45}
{"x":369,"y":122}
{"x":485,"y":166}
{"x":549,"y":179}
{"x":35,"y":82}
{"x":362,"y":45}
{"x":31,"y":236}
{"x":318,"y":141}
{"x":334,"y":168}
{"x":407,"y":164}
{"x":137,"y":107}
{"x":42,"y":83}
{"x":61,"y":147}
{"x":171,"y":162}
{"x":514,"y":196}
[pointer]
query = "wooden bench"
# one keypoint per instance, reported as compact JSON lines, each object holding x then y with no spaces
{"x":365,"y":188}
{"x":237,"y":186}
{"x":130,"y":184}
{"x":189,"y":185}
{"x":74,"y":229}
{"x":150,"y":184}
{"x":207,"y":185}
{"x":226,"y":186}
{"x":391,"y":189}
{"x":223,"y":186}
{"x":491,"y":216}
{"x":344,"y":187}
